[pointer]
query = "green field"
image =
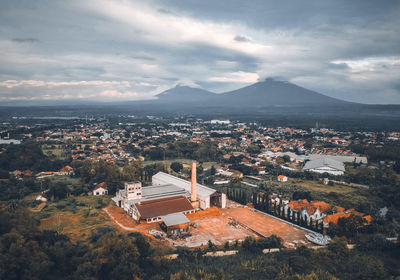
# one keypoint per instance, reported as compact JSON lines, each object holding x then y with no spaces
{"x":54,"y":151}
{"x":340,"y":195}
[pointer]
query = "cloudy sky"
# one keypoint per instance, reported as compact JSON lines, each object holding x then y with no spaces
{"x":126,"y":50}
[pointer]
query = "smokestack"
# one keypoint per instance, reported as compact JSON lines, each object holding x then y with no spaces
{"x":193,"y":196}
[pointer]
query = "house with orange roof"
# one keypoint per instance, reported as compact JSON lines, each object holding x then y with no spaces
{"x":306,"y":209}
{"x":334,"y":218}
{"x":67,"y":170}
{"x":321,"y":205}
{"x":282,"y":178}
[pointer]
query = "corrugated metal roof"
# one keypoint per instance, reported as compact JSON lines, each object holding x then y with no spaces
{"x":175,"y":219}
{"x":342,"y":159}
{"x":202,"y":191}
{"x":152,"y":192}
{"x":324,"y":162}
{"x":163,"y":206}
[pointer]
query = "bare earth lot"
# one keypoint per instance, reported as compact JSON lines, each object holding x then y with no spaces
{"x":216,"y":229}
{"x":267,"y":225}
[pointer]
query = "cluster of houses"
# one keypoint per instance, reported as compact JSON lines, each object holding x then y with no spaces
{"x":66,"y":170}
{"x":317,"y":211}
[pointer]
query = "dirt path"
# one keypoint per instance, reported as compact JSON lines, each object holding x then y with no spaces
{"x":118,"y":223}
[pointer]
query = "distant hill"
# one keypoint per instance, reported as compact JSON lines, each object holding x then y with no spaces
{"x":277,"y":93}
{"x":262,"y":94}
{"x":185,"y":94}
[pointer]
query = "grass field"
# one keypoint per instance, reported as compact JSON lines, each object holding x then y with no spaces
{"x":340,"y":195}
{"x":63,"y":179}
{"x":76,"y":217}
{"x":55,"y":151}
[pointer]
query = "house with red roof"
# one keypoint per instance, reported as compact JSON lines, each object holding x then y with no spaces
{"x":100,"y":189}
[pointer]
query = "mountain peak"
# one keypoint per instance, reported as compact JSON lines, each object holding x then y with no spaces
{"x":273,"y":91}
{"x":184,"y":93}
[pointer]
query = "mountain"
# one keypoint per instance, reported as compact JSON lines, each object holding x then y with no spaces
{"x":186,"y":95}
{"x":262,"y":94}
{"x":277,"y":93}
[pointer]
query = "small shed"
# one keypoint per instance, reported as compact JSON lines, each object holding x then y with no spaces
{"x":175,"y":225}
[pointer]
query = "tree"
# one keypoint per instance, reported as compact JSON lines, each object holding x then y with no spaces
{"x":286,"y":158}
{"x":113,"y":254}
{"x":338,"y":246}
{"x":213,"y":171}
{"x":58,"y":191}
{"x":396,"y":166}
{"x":176,"y":166}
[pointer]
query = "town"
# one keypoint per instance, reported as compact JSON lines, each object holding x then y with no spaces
{"x":213,"y":185}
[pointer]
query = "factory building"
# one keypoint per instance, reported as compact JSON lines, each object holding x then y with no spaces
{"x":167,"y":195}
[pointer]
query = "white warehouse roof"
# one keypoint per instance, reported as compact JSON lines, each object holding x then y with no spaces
{"x":324,"y":162}
{"x":174,"y":219}
{"x":202,"y":191}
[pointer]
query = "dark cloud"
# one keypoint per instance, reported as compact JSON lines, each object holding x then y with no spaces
{"x":346,"y":49}
{"x":25,"y":40}
{"x":240,"y":38}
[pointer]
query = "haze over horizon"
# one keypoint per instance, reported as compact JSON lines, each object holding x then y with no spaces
{"x":129,"y":50}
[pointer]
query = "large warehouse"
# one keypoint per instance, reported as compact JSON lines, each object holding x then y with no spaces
{"x":206,"y":196}
{"x":167,"y":195}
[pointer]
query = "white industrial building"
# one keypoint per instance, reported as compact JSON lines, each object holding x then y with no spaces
{"x":325,"y":165}
{"x":206,"y":196}
{"x":167,"y":195}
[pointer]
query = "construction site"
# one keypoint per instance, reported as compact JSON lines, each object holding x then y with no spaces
{"x":189,"y":214}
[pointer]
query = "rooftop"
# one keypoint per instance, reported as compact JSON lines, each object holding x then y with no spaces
{"x":202,"y":191}
{"x":174,"y":219}
{"x":322,"y":162}
{"x":163,"y":206}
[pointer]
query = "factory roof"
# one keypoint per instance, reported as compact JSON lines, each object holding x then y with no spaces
{"x":324,"y":162}
{"x":163,"y":206}
{"x":202,"y":191}
{"x":153,"y":192}
{"x":175,"y":219}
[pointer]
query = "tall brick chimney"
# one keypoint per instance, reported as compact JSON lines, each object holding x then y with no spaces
{"x":193,"y":196}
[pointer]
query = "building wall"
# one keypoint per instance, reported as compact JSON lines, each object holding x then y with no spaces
{"x":133,"y":190}
{"x":100,"y":191}
{"x":329,"y":171}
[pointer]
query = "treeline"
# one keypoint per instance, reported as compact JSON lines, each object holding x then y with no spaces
{"x":94,"y":172}
{"x":389,"y":150}
{"x":334,"y":262}
{"x":204,"y":151}
{"x":28,"y":156}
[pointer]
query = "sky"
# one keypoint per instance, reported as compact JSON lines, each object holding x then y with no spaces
{"x":120,"y":50}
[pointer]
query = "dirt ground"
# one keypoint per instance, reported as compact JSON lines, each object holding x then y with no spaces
{"x":214,"y":228}
{"x":266,"y":225}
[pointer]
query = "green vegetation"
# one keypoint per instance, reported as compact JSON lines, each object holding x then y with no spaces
{"x":205,"y":151}
{"x":76,"y":217}
{"x":28,"y":156}
{"x":55,"y":151}
{"x":26,"y":252}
